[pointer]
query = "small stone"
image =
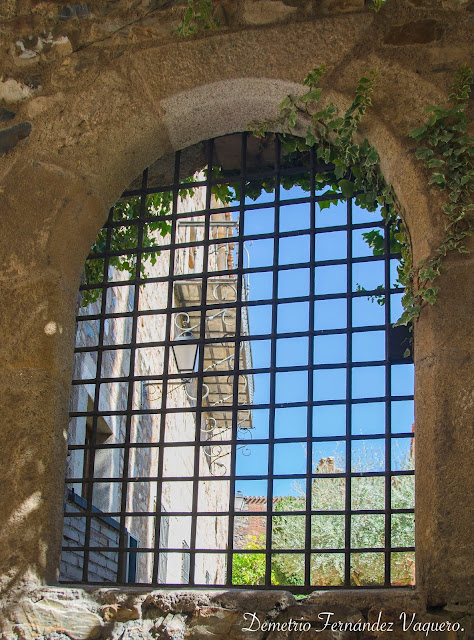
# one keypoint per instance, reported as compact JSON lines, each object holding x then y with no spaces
{"x":175,"y":629}
{"x":48,"y":618}
{"x":159,"y":604}
{"x":74,"y":11}
{"x":138,"y":630}
{"x":62,"y":46}
{"x":6,"y":115}
{"x":9,"y":138}
{"x":120,"y":614}
{"x":13,"y":91}
{"x":217,"y":623}
{"x":266,"y":11}
{"x":418,"y":32}
{"x":42,"y":103}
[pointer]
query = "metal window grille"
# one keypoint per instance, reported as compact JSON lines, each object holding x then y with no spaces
{"x":164,"y":543}
{"x":186,"y":564}
{"x":289,"y":444}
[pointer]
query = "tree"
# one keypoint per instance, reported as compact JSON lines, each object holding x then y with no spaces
{"x":328,"y":531}
{"x":249,"y":568}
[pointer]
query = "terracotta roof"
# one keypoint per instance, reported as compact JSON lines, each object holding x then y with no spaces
{"x":259,"y":499}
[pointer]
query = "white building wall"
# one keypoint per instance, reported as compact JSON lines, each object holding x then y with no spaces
{"x":180,"y":427}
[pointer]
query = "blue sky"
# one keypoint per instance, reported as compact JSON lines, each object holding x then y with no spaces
{"x":329,"y":384}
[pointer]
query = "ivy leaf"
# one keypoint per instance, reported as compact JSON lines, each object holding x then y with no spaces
{"x":434,"y":118}
{"x":310,"y":139}
{"x":325,"y":204}
{"x":347,"y":188}
{"x":372,"y":157}
{"x":315,"y":94}
{"x":335,"y":124}
{"x":430,"y":295}
{"x":417,"y":133}
{"x":314,"y":76}
{"x":438,"y":179}
{"x":461,"y":127}
{"x":375,"y":241}
{"x":434,"y":163}
{"x":424,"y":153}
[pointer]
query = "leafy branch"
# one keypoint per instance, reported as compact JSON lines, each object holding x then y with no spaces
{"x":449,"y":151}
{"x":125,"y":233}
{"x":356,"y":166}
{"x":376,"y":5}
{"x":125,"y":237}
{"x":199,"y":14}
{"x":356,"y":170}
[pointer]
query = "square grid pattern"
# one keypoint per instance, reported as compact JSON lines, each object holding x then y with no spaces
{"x":288,"y":451}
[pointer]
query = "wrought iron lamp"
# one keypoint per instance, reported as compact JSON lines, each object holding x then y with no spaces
{"x":185,"y":352}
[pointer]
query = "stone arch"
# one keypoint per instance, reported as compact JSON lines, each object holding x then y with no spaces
{"x":185,"y":118}
{"x":57,"y":193}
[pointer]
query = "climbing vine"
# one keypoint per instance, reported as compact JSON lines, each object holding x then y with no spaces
{"x":124,"y":235}
{"x":353,"y":171}
{"x":199,"y":14}
{"x":376,"y":5}
{"x":123,"y":238}
{"x":448,"y":150}
{"x":357,"y":173}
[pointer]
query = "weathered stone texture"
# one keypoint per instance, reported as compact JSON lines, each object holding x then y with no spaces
{"x":108,"y":87}
{"x":52,"y":614}
{"x":266,"y":11}
{"x":38,"y":619}
{"x":6,"y":115}
{"x":9,"y":138}
{"x":417,"y":32}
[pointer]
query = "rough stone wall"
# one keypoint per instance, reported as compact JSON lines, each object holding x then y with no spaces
{"x":55,"y":614}
{"x":92,"y":93}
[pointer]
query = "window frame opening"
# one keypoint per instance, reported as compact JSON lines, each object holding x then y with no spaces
{"x":209,"y":294}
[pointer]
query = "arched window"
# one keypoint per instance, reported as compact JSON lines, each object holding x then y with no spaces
{"x":242,"y":411}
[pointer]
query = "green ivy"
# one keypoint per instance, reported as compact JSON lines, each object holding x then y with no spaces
{"x":356,"y":166}
{"x":448,"y":151}
{"x":376,"y":5}
{"x":125,"y":237}
{"x":356,"y":170}
{"x":199,"y":14}
{"x":249,"y":568}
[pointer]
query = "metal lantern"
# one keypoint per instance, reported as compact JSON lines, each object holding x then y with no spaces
{"x":185,"y":351}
